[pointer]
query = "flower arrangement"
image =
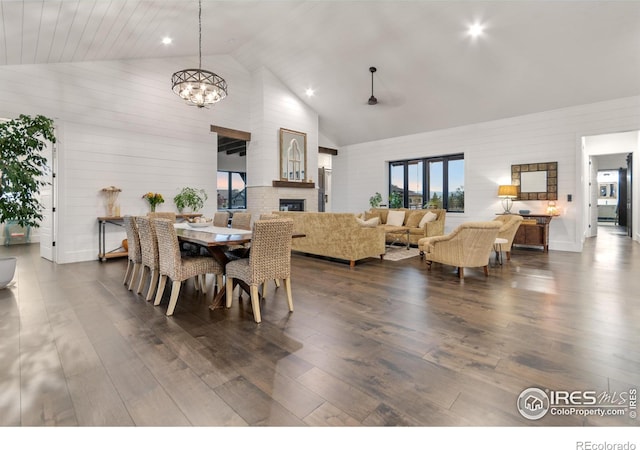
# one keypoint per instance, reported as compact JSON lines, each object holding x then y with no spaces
{"x":154,"y":199}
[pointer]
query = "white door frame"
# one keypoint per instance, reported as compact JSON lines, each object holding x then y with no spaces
{"x":585,"y":154}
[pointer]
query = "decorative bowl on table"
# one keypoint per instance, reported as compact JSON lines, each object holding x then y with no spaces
{"x":199,"y":224}
{"x":524,"y":211}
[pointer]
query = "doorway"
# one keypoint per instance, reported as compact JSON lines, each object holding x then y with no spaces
{"x":610,"y":195}
{"x":231,"y":168}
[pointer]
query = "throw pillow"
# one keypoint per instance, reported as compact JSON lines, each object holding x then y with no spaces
{"x":371,"y":223}
{"x":414,"y":218}
{"x":428,"y":217}
{"x":370,"y":215}
{"x":395,"y":218}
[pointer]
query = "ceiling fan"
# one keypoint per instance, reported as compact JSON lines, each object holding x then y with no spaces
{"x":372,"y":99}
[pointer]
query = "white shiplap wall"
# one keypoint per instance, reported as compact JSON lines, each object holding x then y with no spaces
{"x":490,"y":149}
{"x":274,"y":107}
{"x":118,"y":123}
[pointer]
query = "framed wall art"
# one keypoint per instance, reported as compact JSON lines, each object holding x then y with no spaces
{"x":293,"y":155}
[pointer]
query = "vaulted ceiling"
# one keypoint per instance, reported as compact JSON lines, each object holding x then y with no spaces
{"x":533,"y":56}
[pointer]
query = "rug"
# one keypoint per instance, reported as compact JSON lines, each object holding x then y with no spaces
{"x":400,"y":253}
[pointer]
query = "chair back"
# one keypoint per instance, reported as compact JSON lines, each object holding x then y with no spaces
{"x":163,"y":215}
{"x":241,"y":220}
{"x":476,"y":241}
{"x":148,"y":242}
{"x":270,"y":257}
{"x":509,"y":228}
{"x":169,"y":257}
{"x":221,"y":219}
{"x":269,"y":216}
{"x":133,"y":239}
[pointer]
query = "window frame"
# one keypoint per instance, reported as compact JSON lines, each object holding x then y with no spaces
{"x":230,"y":174}
{"x":426,"y":187}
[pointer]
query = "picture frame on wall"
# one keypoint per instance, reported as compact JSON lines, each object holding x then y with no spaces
{"x":293,"y":155}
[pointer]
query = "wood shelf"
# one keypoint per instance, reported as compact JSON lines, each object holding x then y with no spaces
{"x":113,"y":255}
{"x":294,"y":184}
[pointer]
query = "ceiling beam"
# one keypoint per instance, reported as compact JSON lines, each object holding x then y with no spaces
{"x":328,"y":151}
{"x":232,"y":145}
{"x":228,"y":132}
{"x":239,"y":149}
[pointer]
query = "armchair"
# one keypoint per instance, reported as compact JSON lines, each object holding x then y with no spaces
{"x":508,"y":230}
{"x":469,"y":245}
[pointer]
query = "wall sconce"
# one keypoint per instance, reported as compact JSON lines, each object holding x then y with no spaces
{"x":552,"y":209}
{"x":507,"y":193}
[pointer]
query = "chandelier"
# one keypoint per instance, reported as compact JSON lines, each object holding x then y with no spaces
{"x":196,"y":86}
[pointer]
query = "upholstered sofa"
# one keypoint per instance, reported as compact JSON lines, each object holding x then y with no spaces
{"x":335,"y":235}
{"x":410,"y":222}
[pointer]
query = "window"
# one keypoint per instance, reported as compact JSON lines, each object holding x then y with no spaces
{"x":231,"y":190}
{"x":428,"y":182}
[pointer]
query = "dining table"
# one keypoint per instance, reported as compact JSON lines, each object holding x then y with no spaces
{"x":217,"y":241}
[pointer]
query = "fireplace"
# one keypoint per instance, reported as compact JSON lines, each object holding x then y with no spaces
{"x":289,"y":204}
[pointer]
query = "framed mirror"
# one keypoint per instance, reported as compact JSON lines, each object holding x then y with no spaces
{"x":293,"y":155}
{"x":537,"y":181}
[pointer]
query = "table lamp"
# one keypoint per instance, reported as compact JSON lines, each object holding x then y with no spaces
{"x":507,"y":193}
{"x":552,"y":209}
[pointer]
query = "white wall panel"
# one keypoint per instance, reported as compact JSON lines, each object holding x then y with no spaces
{"x":490,"y":149}
{"x":120,"y":124}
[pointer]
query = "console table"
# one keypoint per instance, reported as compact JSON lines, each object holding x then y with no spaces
{"x":103,"y":254}
{"x":534,"y":231}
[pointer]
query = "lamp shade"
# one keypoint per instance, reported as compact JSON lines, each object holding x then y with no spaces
{"x":507,"y":191}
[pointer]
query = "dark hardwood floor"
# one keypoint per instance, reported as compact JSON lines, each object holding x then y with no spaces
{"x":386,"y":343}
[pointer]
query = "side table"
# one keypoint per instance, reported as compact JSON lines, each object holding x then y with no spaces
{"x":497,"y":246}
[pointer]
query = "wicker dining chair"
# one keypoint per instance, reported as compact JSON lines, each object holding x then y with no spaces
{"x":133,"y":248}
{"x":221,"y":219}
{"x":173,"y":265}
{"x":276,"y":281}
{"x":270,"y":259}
{"x":269,"y":216}
{"x":150,"y":258}
{"x":241,"y":220}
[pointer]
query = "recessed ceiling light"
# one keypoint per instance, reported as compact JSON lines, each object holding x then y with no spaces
{"x":310,"y":92}
{"x":475,"y":30}
{"x":167,"y":40}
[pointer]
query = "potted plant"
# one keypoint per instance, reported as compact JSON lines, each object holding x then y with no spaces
{"x":375,"y":200}
{"x":396,"y":200}
{"x":190,"y":198}
{"x":23,"y":167}
{"x":22,"y":173}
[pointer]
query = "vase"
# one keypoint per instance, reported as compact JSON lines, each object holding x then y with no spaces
{"x":7,"y":270}
{"x":153,"y":208}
